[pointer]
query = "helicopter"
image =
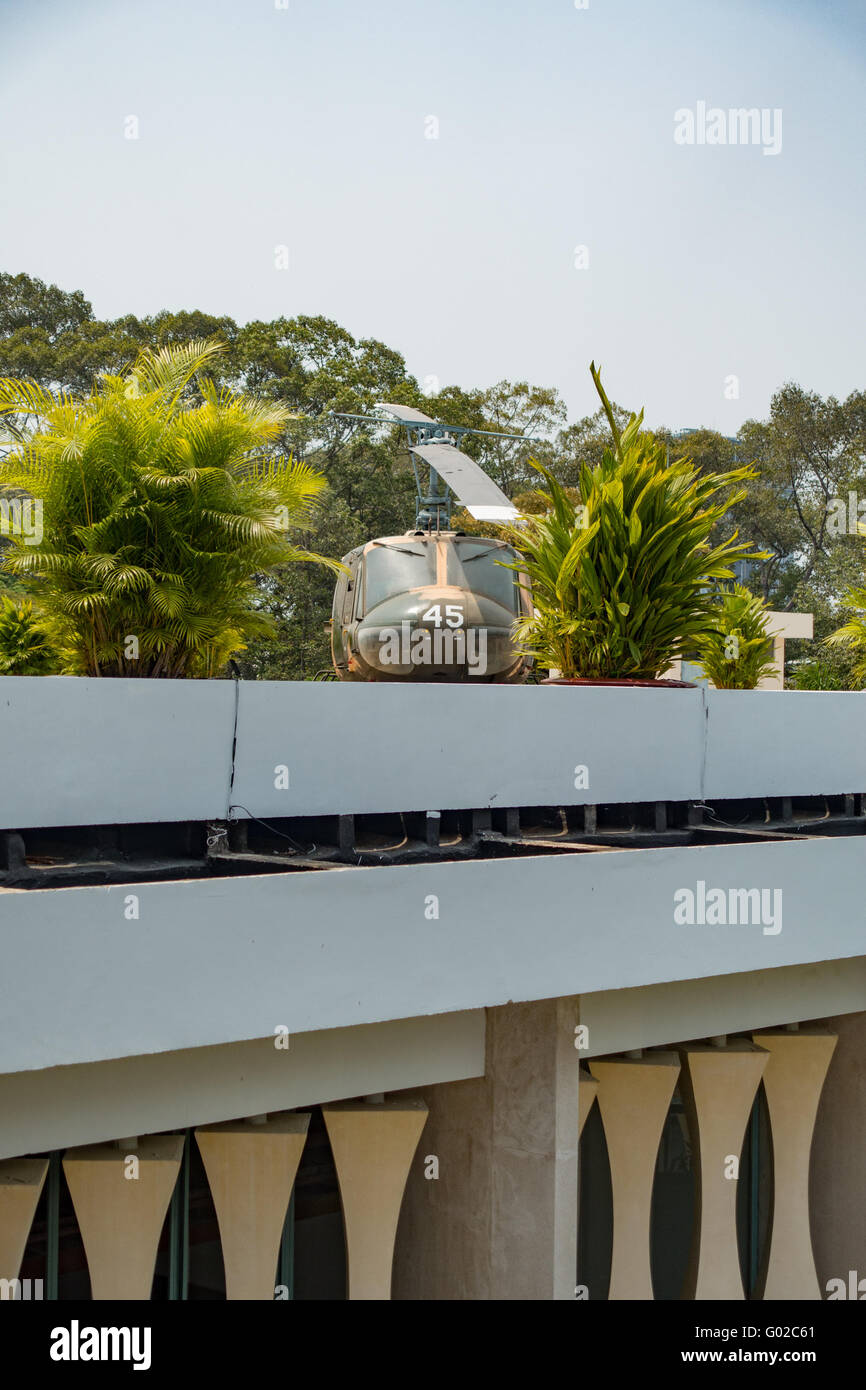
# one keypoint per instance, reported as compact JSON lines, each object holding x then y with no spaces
{"x":434,"y":604}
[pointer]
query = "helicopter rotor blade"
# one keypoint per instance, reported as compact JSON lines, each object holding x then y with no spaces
{"x":406,"y":414}
{"x":478,"y":493}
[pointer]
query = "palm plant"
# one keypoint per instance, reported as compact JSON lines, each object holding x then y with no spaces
{"x":159,"y":509}
{"x":852,"y":635}
{"x":737,"y":654}
{"x":622,"y":584}
{"x":25,"y":648}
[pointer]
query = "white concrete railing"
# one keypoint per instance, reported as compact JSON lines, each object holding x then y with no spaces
{"x":101,"y":972}
{"x":91,"y":752}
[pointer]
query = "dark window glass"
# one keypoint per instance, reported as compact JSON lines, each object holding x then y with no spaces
{"x":475,"y":567}
{"x":393,"y":569}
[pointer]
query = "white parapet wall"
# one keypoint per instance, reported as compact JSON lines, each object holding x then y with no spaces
{"x":356,"y":748}
{"x":784,"y":743}
{"x":82,"y":751}
{"x":105,"y":752}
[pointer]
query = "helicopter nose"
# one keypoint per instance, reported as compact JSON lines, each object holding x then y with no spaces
{"x":437,"y":633}
{"x":422,"y":650}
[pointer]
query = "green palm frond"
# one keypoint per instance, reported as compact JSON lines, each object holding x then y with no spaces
{"x":159,"y":510}
{"x":25,"y":645}
{"x":852,"y":635}
{"x":738,"y":653}
{"x":24,"y":397}
{"x":166,"y":371}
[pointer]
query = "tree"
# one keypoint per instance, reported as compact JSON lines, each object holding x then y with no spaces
{"x":810,"y":452}
{"x":27,"y":304}
{"x":317,"y":368}
{"x":510,"y":408}
{"x":158,"y":513}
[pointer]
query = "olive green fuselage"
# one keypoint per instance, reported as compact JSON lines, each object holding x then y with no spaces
{"x":429,"y":606}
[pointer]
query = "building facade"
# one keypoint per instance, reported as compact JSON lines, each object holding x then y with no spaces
{"x":325,"y":991}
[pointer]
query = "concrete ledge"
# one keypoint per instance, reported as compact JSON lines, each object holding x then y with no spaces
{"x":659,"y":1015}
{"x":41,"y":1110}
{"x":221,"y":960}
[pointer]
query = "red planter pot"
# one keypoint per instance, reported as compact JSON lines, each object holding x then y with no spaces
{"x":587,"y":680}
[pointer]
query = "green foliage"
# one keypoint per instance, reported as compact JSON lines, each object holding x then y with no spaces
{"x":27,"y":304}
{"x":825,"y":668}
{"x":584,"y":443}
{"x":852,"y":635}
{"x":25,"y":649}
{"x":737,"y":654}
{"x":622,"y":585}
{"x":808,"y":451}
{"x":158,"y":513}
{"x":816,"y":675}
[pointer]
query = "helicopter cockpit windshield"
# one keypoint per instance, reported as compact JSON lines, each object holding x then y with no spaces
{"x":394,"y":569}
{"x":475,"y":567}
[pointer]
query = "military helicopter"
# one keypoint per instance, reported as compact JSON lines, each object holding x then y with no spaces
{"x":433,"y":604}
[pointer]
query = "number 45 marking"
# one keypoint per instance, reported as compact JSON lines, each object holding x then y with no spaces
{"x":453,"y":615}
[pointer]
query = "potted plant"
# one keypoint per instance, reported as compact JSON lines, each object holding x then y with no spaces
{"x":738,"y":653}
{"x":622,"y":583}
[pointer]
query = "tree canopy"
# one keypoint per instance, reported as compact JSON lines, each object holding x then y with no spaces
{"x":809,"y":454}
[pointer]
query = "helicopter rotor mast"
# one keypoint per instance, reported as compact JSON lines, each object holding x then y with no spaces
{"x":435,"y":444}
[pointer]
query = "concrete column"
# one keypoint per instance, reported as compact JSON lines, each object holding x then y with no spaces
{"x":780,"y":626}
{"x":719,"y":1087}
{"x":500,"y":1221}
{"x":251,"y":1170}
{"x":634,"y":1096}
{"x":373,"y":1144}
{"x":21,"y":1182}
{"x":793,"y":1081}
{"x":121,"y":1196}
{"x":536,"y":1119}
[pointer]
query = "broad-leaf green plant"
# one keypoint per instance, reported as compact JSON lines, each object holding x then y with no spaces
{"x":623,"y":582}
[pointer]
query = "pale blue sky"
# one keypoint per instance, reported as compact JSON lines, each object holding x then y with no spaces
{"x":305,"y":127}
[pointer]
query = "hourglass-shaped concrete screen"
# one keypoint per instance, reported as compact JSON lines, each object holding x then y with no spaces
{"x":793,"y":1081}
{"x":21,"y":1182}
{"x":121,"y":1194}
{"x":634,"y":1094}
{"x":373,"y":1145}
